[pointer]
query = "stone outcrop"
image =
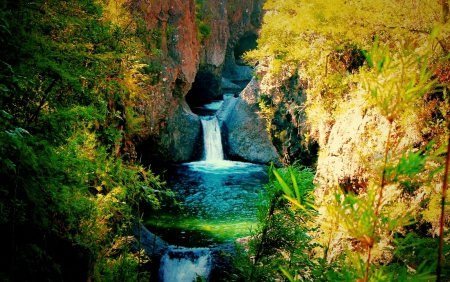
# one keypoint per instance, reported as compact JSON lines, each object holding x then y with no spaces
{"x":356,"y":140}
{"x":221,"y":262}
{"x":230,"y":22}
{"x":153,"y":245}
{"x":244,"y":130}
{"x":240,"y":73}
{"x":189,"y":68}
{"x":174,"y":60}
{"x":227,"y":84}
{"x":284,"y":99}
{"x":182,"y":134}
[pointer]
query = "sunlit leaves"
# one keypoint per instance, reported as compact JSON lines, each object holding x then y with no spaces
{"x":70,"y":77}
{"x":282,"y":244}
{"x":295,"y":184}
{"x":396,"y":79}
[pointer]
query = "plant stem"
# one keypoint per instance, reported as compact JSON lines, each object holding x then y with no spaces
{"x":380,"y":196}
{"x":259,"y":251}
{"x":383,"y":177}
{"x":139,"y":235}
{"x":366,"y":275}
{"x":441,"y":223}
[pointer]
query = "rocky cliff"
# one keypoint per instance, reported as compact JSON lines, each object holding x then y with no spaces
{"x":189,"y":66}
{"x":244,"y":129}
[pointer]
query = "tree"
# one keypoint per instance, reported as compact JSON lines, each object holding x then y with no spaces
{"x":377,"y":58}
{"x":69,"y":81}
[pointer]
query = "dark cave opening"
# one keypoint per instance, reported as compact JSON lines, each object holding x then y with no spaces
{"x":245,"y":43}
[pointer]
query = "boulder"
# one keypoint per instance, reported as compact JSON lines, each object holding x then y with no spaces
{"x":239,"y":73}
{"x":227,"y":84}
{"x":221,"y":262}
{"x":244,"y":130}
{"x":181,"y":135}
{"x":152,"y":244}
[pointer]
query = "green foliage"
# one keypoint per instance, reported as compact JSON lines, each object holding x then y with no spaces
{"x":204,"y":29}
{"x":281,"y":243}
{"x":388,"y":63}
{"x":69,"y":82}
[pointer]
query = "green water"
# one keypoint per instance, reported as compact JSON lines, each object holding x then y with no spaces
{"x":219,"y":202}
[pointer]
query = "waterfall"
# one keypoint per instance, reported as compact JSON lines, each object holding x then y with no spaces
{"x":212,"y":139}
{"x":182,"y":265}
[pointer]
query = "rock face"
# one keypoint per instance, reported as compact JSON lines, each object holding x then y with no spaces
{"x":221,"y":262}
{"x":181,"y":134}
{"x":227,"y":84}
{"x":355,"y":140}
{"x":284,"y":109}
{"x":152,"y":244}
{"x":174,"y":60}
{"x":231,"y":22}
{"x":188,"y":68}
{"x":244,"y":131}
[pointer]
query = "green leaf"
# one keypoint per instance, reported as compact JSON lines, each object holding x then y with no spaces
{"x":435,"y":32}
{"x":287,"y":274}
{"x":295,"y":202}
{"x":283,"y":184}
{"x":294,"y":183}
{"x":6,"y":114}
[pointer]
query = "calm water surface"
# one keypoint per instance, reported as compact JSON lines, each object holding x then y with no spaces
{"x":219,"y":200}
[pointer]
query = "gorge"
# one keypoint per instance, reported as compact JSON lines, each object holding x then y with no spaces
{"x":218,"y":199}
{"x":122,"y":116}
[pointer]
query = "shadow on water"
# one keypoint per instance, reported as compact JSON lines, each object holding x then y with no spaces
{"x":219,"y":203}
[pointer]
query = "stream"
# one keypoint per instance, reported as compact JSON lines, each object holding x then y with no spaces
{"x":219,"y":199}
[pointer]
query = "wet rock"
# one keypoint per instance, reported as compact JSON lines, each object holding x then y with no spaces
{"x":181,"y":135}
{"x":152,"y":244}
{"x":227,"y":84}
{"x":221,"y":262}
{"x":244,"y":130}
{"x":240,"y":73}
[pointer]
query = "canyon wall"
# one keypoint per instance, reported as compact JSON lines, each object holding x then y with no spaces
{"x":190,"y":65}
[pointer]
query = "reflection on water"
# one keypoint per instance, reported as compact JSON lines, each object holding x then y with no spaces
{"x":219,"y":200}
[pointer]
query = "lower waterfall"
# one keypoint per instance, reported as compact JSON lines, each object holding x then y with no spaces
{"x":219,"y":199}
{"x":184,"y":264}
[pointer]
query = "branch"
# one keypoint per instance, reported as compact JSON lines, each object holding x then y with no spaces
{"x":424,"y":31}
{"x":445,"y":11}
{"x":441,"y":223}
{"x":34,"y":116}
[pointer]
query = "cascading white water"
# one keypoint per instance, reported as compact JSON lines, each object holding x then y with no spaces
{"x":212,"y":139}
{"x":183,"y":265}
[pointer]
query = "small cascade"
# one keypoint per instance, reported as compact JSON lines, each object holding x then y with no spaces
{"x":212,"y":139}
{"x":183,"y":265}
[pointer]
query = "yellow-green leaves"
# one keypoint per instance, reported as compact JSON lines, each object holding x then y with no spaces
{"x":296,"y":193}
{"x":396,"y":79}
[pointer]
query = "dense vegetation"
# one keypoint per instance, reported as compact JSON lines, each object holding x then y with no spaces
{"x":71,"y":73}
{"x":385,"y":63}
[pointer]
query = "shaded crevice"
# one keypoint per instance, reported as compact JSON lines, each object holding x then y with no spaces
{"x":245,"y":43}
{"x":206,"y":87}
